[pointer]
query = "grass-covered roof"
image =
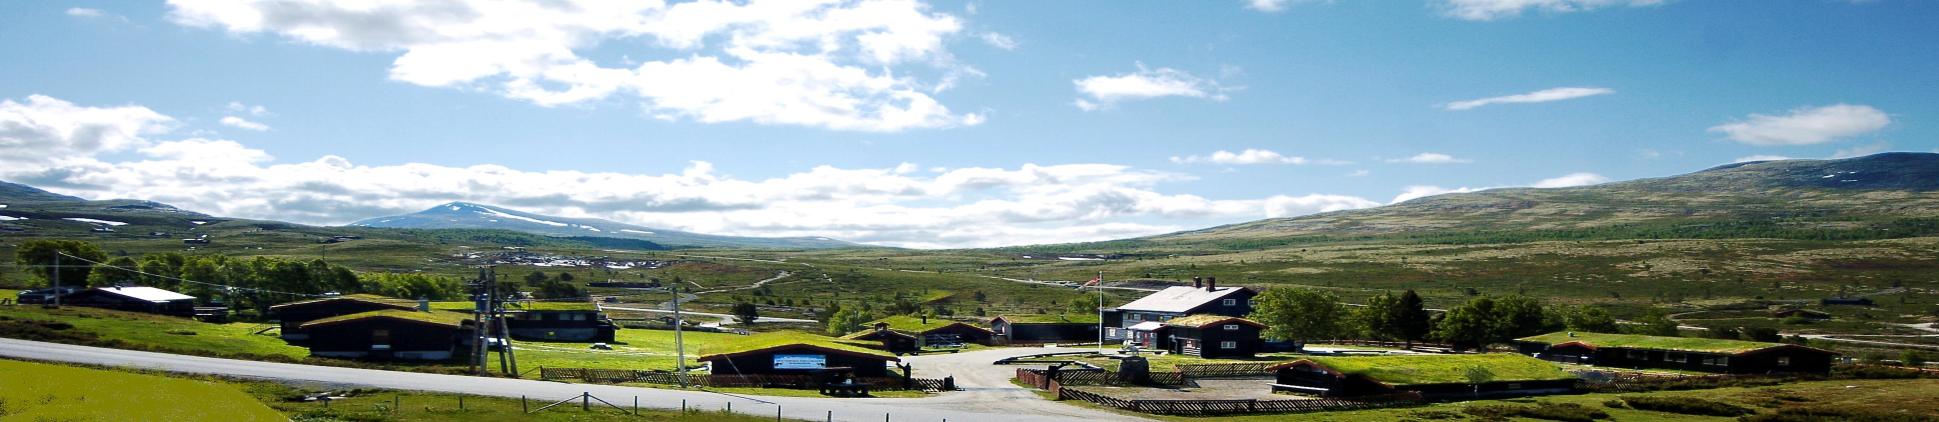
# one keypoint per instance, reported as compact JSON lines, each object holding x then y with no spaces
{"x":1636,"y":341}
{"x":913,"y":324}
{"x":360,"y":297}
{"x":445,"y":318}
{"x":1051,"y":319}
{"x":764,"y":341}
{"x":520,"y":306}
{"x":1202,"y":320}
{"x":1444,"y":369}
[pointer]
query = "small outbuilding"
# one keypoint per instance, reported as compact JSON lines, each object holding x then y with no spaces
{"x":1434,"y":377}
{"x":896,"y":342}
{"x":134,"y":299}
{"x":1214,"y":336}
{"x":566,"y":322}
{"x":794,"y":353}
{"x":294,"y":314}
{"x":389,"y":335}
{"x":1013,"y":329}
{"x":933,"y":332}
{"x":1684,"y":353}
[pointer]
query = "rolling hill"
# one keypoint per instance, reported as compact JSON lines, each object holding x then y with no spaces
{"x":465,"y":215}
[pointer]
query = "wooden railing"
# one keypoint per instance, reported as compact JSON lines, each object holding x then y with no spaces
{"x":1224,"y":370}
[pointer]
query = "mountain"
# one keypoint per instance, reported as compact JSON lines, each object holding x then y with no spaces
{"x":15,"y":192}
{"x":1888,"y":195}
{"x":465,"y":215}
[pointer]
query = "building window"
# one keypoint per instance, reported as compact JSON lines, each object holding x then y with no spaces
{"x":1232,"y":327}
{"x":1228,"y":344}
{"x":1716,"y":360}
{"x":1675,"y":357}
{"x":379,"y":337}
{"x":1231,"y":302}
{"x":1111,"y":332}
{"x":1639,"y":355}
{"x":1134,"y":317}
{"x":1783,"y":361}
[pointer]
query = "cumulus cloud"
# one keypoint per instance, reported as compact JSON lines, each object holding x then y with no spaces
{"x":1430,"y":158}
{"x":1423,"y":191}
{"x":1488,"y":10}
{"x":902,"y":205}
{"x":83,"y":12}
{"x":1270,"y":6}
{"x":1860,"y":151}
{"x":1251,"y":156}
{"x":1571,"y":180}
{"x":820,"y":64}
{"x":1542,"y":96}
{"x":1805,"y":125}
{"x":241,"y":123}
{"x":1103,"y":91}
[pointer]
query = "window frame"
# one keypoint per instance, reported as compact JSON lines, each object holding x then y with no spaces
{"x":1228,"y":344}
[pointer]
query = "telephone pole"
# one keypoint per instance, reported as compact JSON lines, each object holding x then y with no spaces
{"x":679,"y":343}
{"x":57,"y":278}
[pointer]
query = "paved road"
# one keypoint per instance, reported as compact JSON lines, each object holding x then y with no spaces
{"x":975,"y":405}
{"x":986,"y":386}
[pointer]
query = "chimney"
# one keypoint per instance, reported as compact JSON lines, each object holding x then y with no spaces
{"x":423,"y":305}
{"x":925,"y":318}
{"x":1211,"y":283}
{"x":1198,"y":282}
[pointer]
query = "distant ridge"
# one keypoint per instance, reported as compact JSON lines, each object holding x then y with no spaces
{"x":466,"y":215}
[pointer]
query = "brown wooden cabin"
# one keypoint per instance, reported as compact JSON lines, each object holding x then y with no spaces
{"x":134,"y":299}
{"x":294,"y":314}
{"x":802,"y":358}
{"x":1214,"y":336}
{"x":1008,"y":329}
{"x":1691,"y":354}
{"x":389,"y":335}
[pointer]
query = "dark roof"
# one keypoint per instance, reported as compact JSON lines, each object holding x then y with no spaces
{"x":1049,"y":319}
{"x":439,"y":318}
{"x":1206,"y":320}
{"x":782,"y":340}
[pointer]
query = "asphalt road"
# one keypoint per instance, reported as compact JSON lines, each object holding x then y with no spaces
{"x":990,"y":397}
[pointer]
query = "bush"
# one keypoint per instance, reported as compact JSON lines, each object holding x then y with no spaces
{"x":180,"y":332}
{"x":1872,"y":372}
{"x":1872,"y":358}
{"x":1685,"y":405}
{"x":1831,"y":414}
{"x":1614,"y":404}
{"x":1434,"y":415}
{"x":1912,"y":358}
{"x":1567,"y":412}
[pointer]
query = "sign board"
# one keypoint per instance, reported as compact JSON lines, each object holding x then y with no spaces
{"x":800,"y":361}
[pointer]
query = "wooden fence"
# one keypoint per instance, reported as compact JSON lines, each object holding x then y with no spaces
{"x":1098,"y":377}
{"x":1224,"y":370}
{"x":1237,"y":407}
{"x":1383,"y":343}
{"x":725,"y":380}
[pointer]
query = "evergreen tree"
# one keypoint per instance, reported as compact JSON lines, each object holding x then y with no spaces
{"x":1471,"y":325}
{"x":1410,"y":319}
{"x":1591,"y":319}
{"x":40,"y":253}
{"x":746,"y":313}
{"x":1299,"y":314}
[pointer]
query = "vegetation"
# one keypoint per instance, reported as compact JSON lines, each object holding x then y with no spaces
{"x":42,"y":254}
{"x":1686,"y":405}
{"x":1687,"y":344}
{"x":1444,"y":369}
{"x":1299,"y":314}
{"x":738,"y":344}
{"x":47,"y":392}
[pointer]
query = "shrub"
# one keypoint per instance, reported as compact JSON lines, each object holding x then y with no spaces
{"x":1912,"y":358}
{"x":180,"y":332}
{"x":1873,"y":357}
{"x":1614,"y":404}
{"x":1567,"y":412}
{"x":1830,"y":414}
{"x":1872,"y":372}
{"x":1434,"y":415}
{"x":1685,"y":405}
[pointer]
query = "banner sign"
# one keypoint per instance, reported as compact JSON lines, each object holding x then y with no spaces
{"x":800,"y":361}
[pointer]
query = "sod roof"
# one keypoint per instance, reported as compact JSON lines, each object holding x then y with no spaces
{"x":1400,"y":370}
{"x":911,"y":324}
{"x":1202,"y":320}
{"x":1051,"y":319}
{"x":1635,"y":341}
{"x":445,"y":318}
{"x":762,"y":342}
{"x":520,"y":306}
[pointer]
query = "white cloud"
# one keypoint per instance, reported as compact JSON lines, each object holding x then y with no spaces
{"x":1359,"y":173}
{"x":253,"y":110}
{"x":1860,"y":151}
{"x":85,"y":12}
{"x":1806,"y":125}
{"x":1423,"y":191}
{"x":1759,"y":157}
{"x":1487,"y":10}
{"x":1430,"y":158}
{"x":1251,"y":156}
{"x":1571,"y":180}
{"x":241,"y":123}
{"x":1270,"y":6}
{"x":999,"y":40}
{"x":1543,"y":96}
{"x":842,"y":65}
{"x":901,"y":205}
{"x":46,"y":131}
{"x":1105,"y":91}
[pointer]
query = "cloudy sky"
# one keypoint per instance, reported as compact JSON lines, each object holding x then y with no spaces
{"x":933,"y":123}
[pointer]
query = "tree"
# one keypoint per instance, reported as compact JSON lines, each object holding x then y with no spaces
{"x":1299,"y":314}
{"x":535,"y":278}
{"x":1591,"y":319}
{"x":746,"y":313}
{"x":846,"y":320}
{"x":1523,"y":316}
{"x":1410,"y":319}
{"x":114,"y":277}
{"x":565,"y":276}
{"x":41,"y":253}
{"x":1377,"y":317}
{"x":1471,"y":325}
{"x":980,"y":297}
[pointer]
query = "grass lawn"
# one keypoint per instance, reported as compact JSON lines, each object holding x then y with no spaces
{"x":1167,"y":362}
{"x":367,"y":405}
{"x":1445,"y":369}
{"x":790,"y":392}
{"x":1688,"y":344}
{"x":637,"y":349}
{"x":162,"y":332}
{"x":48,"y":392}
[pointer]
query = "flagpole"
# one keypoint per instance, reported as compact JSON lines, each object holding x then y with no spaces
{"x":1100,"y":312}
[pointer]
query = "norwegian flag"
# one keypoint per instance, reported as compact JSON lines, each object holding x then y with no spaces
{"x":1094,"y":281}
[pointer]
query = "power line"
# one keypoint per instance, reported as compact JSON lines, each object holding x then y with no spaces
{"x":184,"y":280}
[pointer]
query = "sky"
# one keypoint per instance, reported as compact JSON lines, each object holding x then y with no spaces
{"x":934,"y":124}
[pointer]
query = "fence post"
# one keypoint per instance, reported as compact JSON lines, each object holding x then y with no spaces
{"x":683,"y":406}
{"x":730,"y":407}
{"x":777,"y":413}
{"x":395,"y":401}
{"x":461,"y":402}
{"x":585,"y":401}
{"x":522,"y":405}
{"x":636,"y":405}
{"x":831,"y":416}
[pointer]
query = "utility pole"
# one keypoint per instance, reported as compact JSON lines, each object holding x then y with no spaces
{"x":57,"y":278}
{"x":679,"y":343}
{"x":479,"y":330}
{"x":1100,"y":312}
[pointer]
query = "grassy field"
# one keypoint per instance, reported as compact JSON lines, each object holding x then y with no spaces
{"x":47,"y":392}
{"x":1919,"y":398}
{"x":157,"y":332}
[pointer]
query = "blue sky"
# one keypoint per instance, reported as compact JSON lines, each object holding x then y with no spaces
{"x":935,"y":124}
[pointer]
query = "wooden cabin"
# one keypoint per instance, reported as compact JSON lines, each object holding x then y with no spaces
{"x":389,"y":335}
{"x":134,"y":299}
{"x":1011,"y":329}
{"x":793,"y":353}
{"x":294,"y":314}
{"x":1684,"y":353}
{"x":565,"y":322}
{"x":1214,"y":336}
{"x":1433,"y":377}
{"x":1204,"y":296}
